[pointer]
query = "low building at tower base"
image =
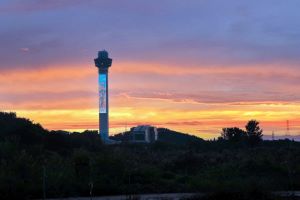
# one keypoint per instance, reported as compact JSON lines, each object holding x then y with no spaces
{"x":143,"y":134}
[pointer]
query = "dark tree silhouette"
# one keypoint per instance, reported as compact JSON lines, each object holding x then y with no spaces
{"x":233,"y":134}
{"x":254,"y":132}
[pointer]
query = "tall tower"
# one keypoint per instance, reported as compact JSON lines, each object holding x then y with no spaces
{"x":103,"y":62}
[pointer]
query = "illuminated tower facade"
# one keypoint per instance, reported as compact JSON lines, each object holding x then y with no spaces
{"x":103,"y":62}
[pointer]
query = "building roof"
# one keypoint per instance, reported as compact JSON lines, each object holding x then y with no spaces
{"x":141,"y":128}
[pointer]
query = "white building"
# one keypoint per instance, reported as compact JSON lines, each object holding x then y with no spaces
{"x":144,"y":134}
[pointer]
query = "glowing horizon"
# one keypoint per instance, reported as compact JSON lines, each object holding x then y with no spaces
{"x":194,"y":67}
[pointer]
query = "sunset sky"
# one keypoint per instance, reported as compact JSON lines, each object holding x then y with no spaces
{"x":189,"y":65}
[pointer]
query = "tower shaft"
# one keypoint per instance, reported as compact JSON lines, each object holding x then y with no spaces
{"x":103,"y":106}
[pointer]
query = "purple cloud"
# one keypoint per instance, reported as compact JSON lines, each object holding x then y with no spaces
{"x":216,"y":32}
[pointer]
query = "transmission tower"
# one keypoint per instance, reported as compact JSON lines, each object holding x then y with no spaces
{"x":287,"y":128}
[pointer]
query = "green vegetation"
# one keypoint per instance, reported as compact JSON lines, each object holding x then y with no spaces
{"x":75,"y":164}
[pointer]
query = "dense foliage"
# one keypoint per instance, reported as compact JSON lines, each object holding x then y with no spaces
{"x":35,"y":161}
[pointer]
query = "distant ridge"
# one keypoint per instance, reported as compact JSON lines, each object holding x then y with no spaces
{"x":282,"y":137}
{"x":170,"y":136}
{"x":164,"y":135}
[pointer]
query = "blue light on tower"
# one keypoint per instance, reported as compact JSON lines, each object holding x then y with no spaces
{"x":102,"y":93}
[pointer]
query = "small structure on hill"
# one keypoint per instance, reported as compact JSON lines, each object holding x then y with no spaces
{"x":144,"y":134}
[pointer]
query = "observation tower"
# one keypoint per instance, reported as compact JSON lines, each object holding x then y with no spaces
{"x":103,"y":62}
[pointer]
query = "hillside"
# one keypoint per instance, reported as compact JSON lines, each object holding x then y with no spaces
{"x":165,"y":136}
{"x":169,"y":136}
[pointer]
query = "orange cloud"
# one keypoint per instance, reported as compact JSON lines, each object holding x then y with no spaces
{"x":198,"y":100}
